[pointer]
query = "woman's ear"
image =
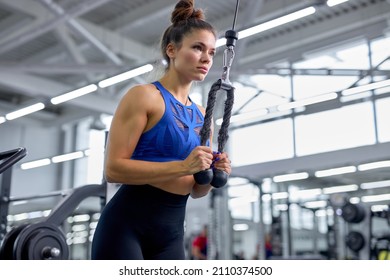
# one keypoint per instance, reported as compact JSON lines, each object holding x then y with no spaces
{"x":171,"y":51}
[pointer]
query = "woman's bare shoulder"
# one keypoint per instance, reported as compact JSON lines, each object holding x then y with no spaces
{"x":139,"y":95}
{"x":141,"y":91}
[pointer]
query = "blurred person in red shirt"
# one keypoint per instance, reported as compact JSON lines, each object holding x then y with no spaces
{"x":199,"y":245}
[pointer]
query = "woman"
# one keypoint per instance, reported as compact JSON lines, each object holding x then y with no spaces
{"x":154,"y":149}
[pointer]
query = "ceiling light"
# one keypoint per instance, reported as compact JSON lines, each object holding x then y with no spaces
{"x":375,"y":185}
{"x":79,"y":227}
{"x":352,"y":97}
{"x":20,"y":217}
{"x":241,"y":191}
{"x":94,"y":151}
{"x":280,"y":195}
{"x":374,"y":198}
{"x":220,"y":42}
{"x":25,"y":111}
{"x":35,"y":163}
{"x":379,"y":208}
{"x":307,"y":101}
{"x":332,"y":3}
{"x":281,"y":207}
{"x":65,"y":157}
{"x":2,"y":119}
{"x":325,"y":212}
{"x":240,"y":227}
{"x":238,"y":181}
{"x":269,"y":25}
{"x":126,"y":76}
{"x":81,"y":218}
{"x":290,"y":177}
{"x":73,"y":94}
{"x":367,"y":87}
{"x":340,"y":189}
{"x":266,"y":197}
{"x":276,"y":22}
{"x":354,"y":200}
{"x":304,"y":194}
{"x":19,"y":202}
{"x":316,"y":204}
{"x":243,"y":200}
{"x":335,"y":171}
{"x":35,"y":214}
{"x":374,"y":165}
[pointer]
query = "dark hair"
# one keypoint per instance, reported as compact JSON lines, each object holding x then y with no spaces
{"x":185,"y":18}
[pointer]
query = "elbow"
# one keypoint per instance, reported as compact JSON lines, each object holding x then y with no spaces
{"x":199,"y":192}
{"x":108,"y":178}
{"x":110,"y":174}
{"x":195,"y":195}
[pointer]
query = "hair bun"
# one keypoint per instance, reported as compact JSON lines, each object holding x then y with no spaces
{"x":185,"y":10}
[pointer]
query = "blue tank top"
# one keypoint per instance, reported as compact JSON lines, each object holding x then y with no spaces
{"x":175,"y":135}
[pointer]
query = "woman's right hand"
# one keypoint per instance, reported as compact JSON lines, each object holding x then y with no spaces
{"x":199,"y":159}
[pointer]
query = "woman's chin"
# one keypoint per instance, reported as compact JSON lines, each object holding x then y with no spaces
{"x":200,"y":78}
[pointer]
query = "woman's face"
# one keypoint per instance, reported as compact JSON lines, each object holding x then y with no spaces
{"x":194,"y":57}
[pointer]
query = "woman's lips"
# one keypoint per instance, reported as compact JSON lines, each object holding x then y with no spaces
{"x":204,"y":70}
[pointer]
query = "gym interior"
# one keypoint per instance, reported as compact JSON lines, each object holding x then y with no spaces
{"x":309,"y":135}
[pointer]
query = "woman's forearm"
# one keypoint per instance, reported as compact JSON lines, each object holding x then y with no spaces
{"x":137,"y":172}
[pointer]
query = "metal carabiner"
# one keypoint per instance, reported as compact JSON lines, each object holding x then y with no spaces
{"x":228,"y":57}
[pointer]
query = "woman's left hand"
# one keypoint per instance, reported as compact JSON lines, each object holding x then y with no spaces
{"x":221,"y":161}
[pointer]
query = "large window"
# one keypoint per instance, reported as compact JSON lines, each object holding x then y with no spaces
{"x":343,"y":128}
{"x":353,"y":124}
{"x":261,"y":143}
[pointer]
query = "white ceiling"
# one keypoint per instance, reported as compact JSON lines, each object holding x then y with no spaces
{"x":48,"y":47}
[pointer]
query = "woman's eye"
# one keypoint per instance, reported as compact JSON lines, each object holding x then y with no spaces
{"x":198,"y":48}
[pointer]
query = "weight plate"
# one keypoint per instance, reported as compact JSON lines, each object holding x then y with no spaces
{"x":355,"y":241}
{"x":6,"y":251}
{"x":353,"y":213}
{"x":35,"y":239}
{"x":46,"y":245}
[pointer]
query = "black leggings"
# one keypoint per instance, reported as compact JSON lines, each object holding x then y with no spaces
{"x":141,"y":223}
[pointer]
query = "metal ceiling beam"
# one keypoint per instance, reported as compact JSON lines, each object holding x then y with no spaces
{"x":14,"y":23}
{"x":71,"y":46}
{"x":74,"y":51}
{"x":32,"y":14}
{"x":29,"y":35}
{"x":74,"y":25}
{"x":140,"y":17}
{"x":116,"y":42}
{"x":122,"y":45}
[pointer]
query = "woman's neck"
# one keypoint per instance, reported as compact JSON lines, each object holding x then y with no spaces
{"x":176,"y":86}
